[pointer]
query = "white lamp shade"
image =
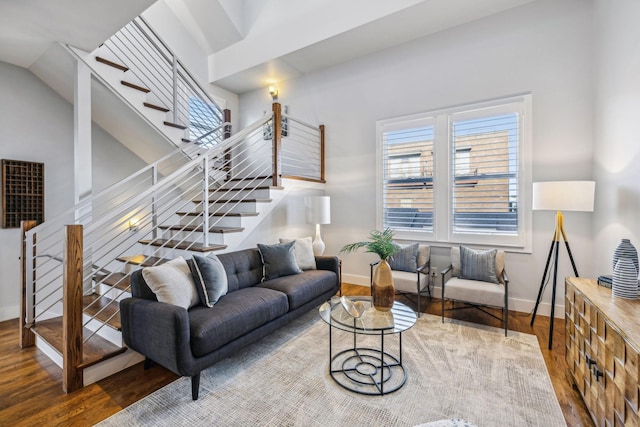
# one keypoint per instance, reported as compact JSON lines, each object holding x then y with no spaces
{"x":564,"y":196}
{"x":319,"y":211}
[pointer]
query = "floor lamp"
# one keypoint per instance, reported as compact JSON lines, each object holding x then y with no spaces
{"x":319,"y":213}
{"x":560,"y":196}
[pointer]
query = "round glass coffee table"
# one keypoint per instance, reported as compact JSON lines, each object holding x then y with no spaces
{"x":367,"y":368}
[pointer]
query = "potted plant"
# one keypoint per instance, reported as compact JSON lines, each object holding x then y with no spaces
{"x":380,"y":243}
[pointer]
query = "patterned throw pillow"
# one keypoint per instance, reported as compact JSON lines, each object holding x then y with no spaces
{"x":478,"y":265}
{"x":209,"y":277}
{"x":406,"y":259}
{"x":279,"y":260}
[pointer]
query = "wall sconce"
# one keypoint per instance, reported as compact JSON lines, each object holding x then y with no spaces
{"x":133,"y":224}
{"x":273,"y":92}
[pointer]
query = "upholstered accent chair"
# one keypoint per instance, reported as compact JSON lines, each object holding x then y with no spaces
{"x":410,"y":270}
{"x":478,"y":279}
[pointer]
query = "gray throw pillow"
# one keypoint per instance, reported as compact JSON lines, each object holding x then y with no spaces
{"x":209,"y":277}
{"x":278,"y":260}
{"x":405,"y":259}
{"x":478,"y":265}
{"x":303,"y":250}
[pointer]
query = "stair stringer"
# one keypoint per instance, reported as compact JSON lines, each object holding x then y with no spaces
{"x":133,"y":98}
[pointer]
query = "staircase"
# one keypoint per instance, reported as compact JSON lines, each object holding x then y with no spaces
{"x":205,"y":197}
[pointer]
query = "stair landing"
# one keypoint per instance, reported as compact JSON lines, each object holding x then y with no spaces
{"x":96,"y":350}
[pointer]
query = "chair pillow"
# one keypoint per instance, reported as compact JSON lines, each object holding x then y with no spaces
{"x":172,"y":283}
{"x":478,"y":265}
{"x":303,"y":250}
{"x":405,"y":259}
{"x":209,"y":277}
{"x":278,"y":260}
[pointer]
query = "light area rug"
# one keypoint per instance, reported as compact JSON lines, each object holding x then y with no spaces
{"x":454,"y":370}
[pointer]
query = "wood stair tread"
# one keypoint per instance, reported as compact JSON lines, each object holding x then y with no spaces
{"x":175,"y":125}
{"x":156,"y":107}
{"x":176,"y":244}
{"x":186,"y":140}
{"x":235,"y":201}
{"x":227,"y":214}
{"x":261,"y":187}
{"x":94,"y":303}
{"x":142,"y":260}
{"x":251,"y":178}
{"x":198,"y":228}
{"x":96,"y":350}
{"x":120,"y":281}
{"x":135,"y":86}
{"x":112,"y":64}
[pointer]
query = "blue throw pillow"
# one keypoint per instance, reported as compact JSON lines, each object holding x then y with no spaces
{"x":278,"y":260}
{"x":478,"y":265}
{"x":210,"y":278}
{"x":405,"y":259}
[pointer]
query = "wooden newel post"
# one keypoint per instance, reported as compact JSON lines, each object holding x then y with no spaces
{"x":277,"y":144}
{"x":72,"y":378}
{"x":27,"y":337}
{"x":322,"y":153}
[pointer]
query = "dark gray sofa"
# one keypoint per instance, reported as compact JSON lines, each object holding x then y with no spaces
{"x":188,"y":341}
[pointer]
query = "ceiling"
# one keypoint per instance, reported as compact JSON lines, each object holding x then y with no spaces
{"x":248,"y":43}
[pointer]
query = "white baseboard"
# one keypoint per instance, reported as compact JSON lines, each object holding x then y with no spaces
{"x":515,"y":304}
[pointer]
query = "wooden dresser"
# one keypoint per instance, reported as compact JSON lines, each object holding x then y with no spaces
{"x":601,"y":338}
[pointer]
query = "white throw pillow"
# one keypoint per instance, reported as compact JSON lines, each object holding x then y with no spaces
{"x":172,"y":283}
{"x":303,"y":249}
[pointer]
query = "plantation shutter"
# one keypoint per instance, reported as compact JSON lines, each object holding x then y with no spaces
{"x":484,"y":182}
{"x":408,"y":178}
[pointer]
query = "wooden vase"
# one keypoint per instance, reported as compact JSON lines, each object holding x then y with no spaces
{"x":382,"y":289}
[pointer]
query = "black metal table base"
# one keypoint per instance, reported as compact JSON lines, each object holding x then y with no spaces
{"x":367,"y":371}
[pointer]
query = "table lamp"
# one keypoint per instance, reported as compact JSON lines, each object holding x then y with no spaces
{"x":319,"y":212}
{"x":560,"y":196}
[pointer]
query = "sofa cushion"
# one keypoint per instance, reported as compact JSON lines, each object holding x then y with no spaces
{"x":209,"y":277}
{"x":279,"y":260}
{"x":243,"y":268}
{"x":172,"y":283}
{"x":302,"y":288}
{"x":234,"y":315}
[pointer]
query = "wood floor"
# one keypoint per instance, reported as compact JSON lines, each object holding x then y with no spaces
{"x":31,"y":386}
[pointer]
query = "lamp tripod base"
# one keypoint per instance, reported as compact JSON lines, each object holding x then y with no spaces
{"x":553,"y":251}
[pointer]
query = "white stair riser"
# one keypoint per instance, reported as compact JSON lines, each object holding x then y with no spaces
{"x":106,"y":331}
{"x":244,"y":194}
{"x":232,"y":207}
{"x":110,"y":366}
{"x":214,"y":238}
{"x":216,"y":221}
{"x":112,"y":293}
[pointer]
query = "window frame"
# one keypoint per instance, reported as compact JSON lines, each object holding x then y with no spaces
{"x":443,"y":179}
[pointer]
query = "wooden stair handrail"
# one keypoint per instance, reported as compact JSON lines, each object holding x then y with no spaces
{"x":72,"y":351}
{"x":27,"y":337}
{"x":277,"y":144}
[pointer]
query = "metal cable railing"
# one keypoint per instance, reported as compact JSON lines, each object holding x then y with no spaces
{"x":302,"y":150}
{"x":157,"y":68}
{"x":172,"y":211}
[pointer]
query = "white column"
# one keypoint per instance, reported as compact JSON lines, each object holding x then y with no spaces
{"x":82,"y":138}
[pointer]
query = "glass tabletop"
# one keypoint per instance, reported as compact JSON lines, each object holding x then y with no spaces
{"x":371,"y":321}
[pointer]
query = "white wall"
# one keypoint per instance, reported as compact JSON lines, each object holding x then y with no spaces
{"x":36,"y":124}
{"x":544,"y":48}
{"x":617,"y":128}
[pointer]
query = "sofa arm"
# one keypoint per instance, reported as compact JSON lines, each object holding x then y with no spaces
{"x":158,"y":331}
{"x":330,"y":263}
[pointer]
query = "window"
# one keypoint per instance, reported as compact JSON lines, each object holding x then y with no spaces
{"x":459,"y":175}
